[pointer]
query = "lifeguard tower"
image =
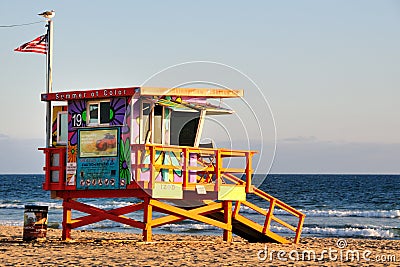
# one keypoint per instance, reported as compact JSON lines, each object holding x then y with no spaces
{"x":144,"y":143}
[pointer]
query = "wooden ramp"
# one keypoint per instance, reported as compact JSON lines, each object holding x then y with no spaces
{"x":253,"y":231}
{"x":241,"y":226}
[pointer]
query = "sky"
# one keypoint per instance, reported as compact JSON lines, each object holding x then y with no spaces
{"x":329,"y":71}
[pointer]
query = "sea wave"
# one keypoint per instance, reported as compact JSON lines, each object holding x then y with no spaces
{"x":11,"y":223}
{"x":18,"y":205}
{"x":334,"y":213}
{"x":341,"y":232}
{"x":349,"y":232}
{"x":353,"y":213}
{"x":58,"y":205}
{"x":188,"y":227}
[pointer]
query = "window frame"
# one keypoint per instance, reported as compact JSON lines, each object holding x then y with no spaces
{"x":98,"y":102}
{"x":59,"y":126}
{"x":142,"y":135}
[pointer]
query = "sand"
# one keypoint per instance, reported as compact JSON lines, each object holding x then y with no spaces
{"x":93,"y":248}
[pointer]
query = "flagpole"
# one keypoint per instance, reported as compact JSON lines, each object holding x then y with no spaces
{"x":49,"y":82}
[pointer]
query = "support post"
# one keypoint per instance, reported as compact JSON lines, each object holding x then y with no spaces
{"x":249,"y":172}
{"x":270,"y":213}
{"x":217,"y":169}
{"x":228,"y":220}
{"x":299,"y":229}
{"x":185,"y":167}
{"x":237,"y":209}
{"x":152,"y":168}
{"x":147,"y":218}
{"x":138,"y":160}
{"x":66,"y":224}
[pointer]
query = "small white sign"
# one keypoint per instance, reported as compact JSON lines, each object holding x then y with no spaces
{"x":201,"y":190}
{"x":71,"y":167}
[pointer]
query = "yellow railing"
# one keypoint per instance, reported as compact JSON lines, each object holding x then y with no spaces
{"x":217,"y":169}
{"x":269,"y":215}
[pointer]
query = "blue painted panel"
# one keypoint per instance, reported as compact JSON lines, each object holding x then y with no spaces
{"x":98,"y":159}
{"x":98,"y":173}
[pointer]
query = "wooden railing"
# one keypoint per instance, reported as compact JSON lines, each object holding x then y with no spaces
{"x":222,"y":175}
{"x":269,"y":215}
{"x":188,"y":166}
{"x":55,"y":165}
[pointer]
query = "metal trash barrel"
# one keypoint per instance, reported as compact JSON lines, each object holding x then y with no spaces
{"x":35,"y":222}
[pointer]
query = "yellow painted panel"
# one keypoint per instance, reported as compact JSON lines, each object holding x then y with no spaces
{"x":167,"y":190}
{"x":231,"y":192}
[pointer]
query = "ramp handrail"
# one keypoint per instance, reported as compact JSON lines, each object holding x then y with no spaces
{"x":269,"y":215}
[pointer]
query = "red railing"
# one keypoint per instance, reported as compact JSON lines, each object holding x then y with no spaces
{"x":55,"y":164}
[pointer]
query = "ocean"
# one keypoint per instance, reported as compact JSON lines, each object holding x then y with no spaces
{"x":341,"y":206}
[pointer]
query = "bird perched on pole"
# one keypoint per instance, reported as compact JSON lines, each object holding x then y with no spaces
{"x":48,"y":14}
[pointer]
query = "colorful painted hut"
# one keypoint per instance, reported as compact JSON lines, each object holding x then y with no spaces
{"x":145,"y":143}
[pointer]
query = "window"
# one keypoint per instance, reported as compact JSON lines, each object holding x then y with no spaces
{"x":145,"y":122}
{"x":158,"y":124}
{"x":62,"y":127}
{"x":151,"y":123}
{"x":184,"y":127}
{"x":99,"y":113}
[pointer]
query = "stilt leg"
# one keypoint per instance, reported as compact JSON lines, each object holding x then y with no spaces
{"x":228,"y":220}
{"x":147,"y":217}
{"x":66,"y":224}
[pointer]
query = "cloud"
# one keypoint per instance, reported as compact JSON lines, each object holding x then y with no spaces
{"x":4,"y":136}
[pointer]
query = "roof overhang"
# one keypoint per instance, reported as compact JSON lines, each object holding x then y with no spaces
{"x":193,"y":107}
{"x":194,"y":92}
{"x":143,"y":91}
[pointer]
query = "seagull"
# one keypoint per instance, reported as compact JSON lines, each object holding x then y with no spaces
{"x":48,"y":14}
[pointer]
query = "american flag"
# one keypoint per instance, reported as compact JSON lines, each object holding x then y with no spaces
{"x":38,"y":45}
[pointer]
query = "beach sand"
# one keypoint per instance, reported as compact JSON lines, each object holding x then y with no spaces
{"x":93,"y":248}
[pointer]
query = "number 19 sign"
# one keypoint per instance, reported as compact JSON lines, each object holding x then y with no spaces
{"x":77,"y":120}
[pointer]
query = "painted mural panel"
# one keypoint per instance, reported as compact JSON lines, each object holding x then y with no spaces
{"x":111,"y":146}
{"x":98,"y":173}
{"x":163,"y":158}
{"x":125,"y":165}
{"x":98,"y":159}
{"x":98,"y":143}
{"x":76,"y":120}
{"x":136,"y":121}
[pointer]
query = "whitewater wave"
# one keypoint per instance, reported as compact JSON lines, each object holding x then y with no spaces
{"x":58,"y":205}
{"x":18,"y":205}
{"x":349,"y":232}
{"x":340,"y":232}
{"x":353,"y":213}
{"x":11,"y":223}
{"x":335,"y":213}
{"x":169,"y":228}
{"x":188,"y":227}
